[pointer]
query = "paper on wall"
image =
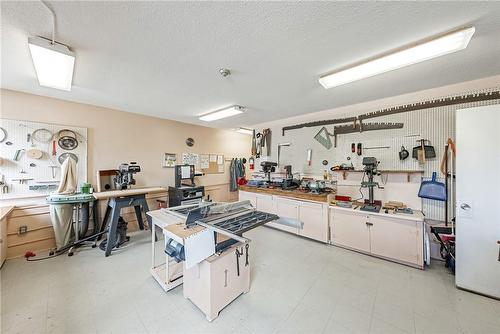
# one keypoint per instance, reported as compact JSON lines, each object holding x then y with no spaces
{"x":220,"y":168}
{"x":204,"y":161}
{"x":213,"y":158}
{"x":190,"y":159}
{"x":198,"y":247}
{"x":220,"y":160}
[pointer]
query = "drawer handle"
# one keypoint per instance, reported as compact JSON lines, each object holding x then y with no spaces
{"x":369,"y":224}
{"x":225,"y":278}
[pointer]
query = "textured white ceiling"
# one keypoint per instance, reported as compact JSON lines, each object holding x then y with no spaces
{"x":162,"y":58}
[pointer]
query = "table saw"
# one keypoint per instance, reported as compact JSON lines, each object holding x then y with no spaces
{"x":205,"y":250}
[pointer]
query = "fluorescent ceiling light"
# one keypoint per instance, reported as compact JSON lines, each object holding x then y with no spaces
{"x":245,"y":131}
{"x":54,"y":63}
{"x":418,"y":52}
{"x":223,"y":113}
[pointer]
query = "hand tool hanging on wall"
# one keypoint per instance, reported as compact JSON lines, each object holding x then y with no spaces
{"x":254,"y":144}
{"x":353,"y":148}
{"x":440,"y":102}
{"x":54,"y":152}
{"x":428,"y":150}
{"x":309,"y":157}
{"x":360,"y":150}
{"x":317,"y":123}
{"x":344,"y":129}
{"x":3,"y":134}
{"x":403,"y":154}
{"x":279,"y":150}
{"x":323,"y":137}
{"x":377,"y":147}
{"x":41,"y":136}
{"x":266,"y":141}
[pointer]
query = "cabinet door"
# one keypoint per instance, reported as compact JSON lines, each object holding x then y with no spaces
{"x":315,"y":223}
{"x":247,"y":196}
{"x":395,"y":239}
{"x":265,"y":203}
{"x":288,"y":211}
{"x":350,"y":230}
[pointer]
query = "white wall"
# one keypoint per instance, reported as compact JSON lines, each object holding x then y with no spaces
{"x":436,"y":124}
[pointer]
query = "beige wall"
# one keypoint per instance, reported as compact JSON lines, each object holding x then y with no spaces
{"x":116,"y":136}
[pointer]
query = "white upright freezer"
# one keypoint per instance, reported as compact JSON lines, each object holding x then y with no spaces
{"x":478,"y":200}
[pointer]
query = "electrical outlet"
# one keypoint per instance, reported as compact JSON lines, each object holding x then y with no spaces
{"x":23,"y":229}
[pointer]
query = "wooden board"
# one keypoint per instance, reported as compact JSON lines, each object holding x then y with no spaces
{"x":288,"y":193}
{"x":127,"y":192}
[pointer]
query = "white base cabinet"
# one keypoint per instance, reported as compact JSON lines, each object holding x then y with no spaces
{"x":393,"y":238}
{"x":304,"y":218}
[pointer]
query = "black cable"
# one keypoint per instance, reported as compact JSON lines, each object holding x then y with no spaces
{"x":64,"y":249}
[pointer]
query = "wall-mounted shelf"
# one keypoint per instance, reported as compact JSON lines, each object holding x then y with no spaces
{"x":407,"y":172}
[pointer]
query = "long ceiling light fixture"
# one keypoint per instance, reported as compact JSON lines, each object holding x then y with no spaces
{"x":415,"y":53}
{"x":223,"y":113}
{"x":54,"y":62}
{"x":245,"y":131}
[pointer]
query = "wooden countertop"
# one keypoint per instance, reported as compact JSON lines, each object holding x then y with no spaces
{"x":128,"y":192}
{"x":5,"y":210}
{"x":287,"y":193}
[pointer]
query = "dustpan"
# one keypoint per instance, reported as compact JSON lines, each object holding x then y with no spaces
{"x":432,"y":189}
{"x":323,"y":137}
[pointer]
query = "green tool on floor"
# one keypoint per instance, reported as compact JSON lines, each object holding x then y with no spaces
{"x":323,"y":137}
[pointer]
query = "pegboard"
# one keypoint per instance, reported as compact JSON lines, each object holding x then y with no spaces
{"x":23,"y":139}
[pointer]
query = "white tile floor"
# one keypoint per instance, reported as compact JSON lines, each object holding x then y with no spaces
{"x":297,"y":286}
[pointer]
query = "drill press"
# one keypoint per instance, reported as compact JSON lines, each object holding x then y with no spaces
{"x":370,"y":169}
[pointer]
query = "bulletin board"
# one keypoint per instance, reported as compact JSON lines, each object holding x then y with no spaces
{"x":32,"y":153}
{"x":206,"y":163}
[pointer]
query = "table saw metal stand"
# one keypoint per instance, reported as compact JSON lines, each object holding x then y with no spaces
{"x":113,"y":209}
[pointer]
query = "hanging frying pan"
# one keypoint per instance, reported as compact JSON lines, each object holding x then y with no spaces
{"x":63,"y":157}
{"x":403,"y":154}
{"x":67,"y":143}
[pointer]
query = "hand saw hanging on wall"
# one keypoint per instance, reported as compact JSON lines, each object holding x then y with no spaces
{"x":360,"y":127}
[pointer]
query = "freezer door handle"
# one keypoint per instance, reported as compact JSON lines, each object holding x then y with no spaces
{"x":465,"y":206}
{"x":498,"y":242}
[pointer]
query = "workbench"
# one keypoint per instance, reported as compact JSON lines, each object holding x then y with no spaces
{"x":4,"y":212}
{"x":302,"y":214}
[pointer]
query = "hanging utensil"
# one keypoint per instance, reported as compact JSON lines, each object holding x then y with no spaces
{"x":254,"y":143}
{"x":403,"y":154}
{"x":41,"y":136}
{"x":64,"y":156}
{"x":3,"y":134}
{"x":68,"y":143}
{"x":429,"y":151}
{"x":309,"y":157}
{"x":54,"y":153}
{"x":34,"y":153}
